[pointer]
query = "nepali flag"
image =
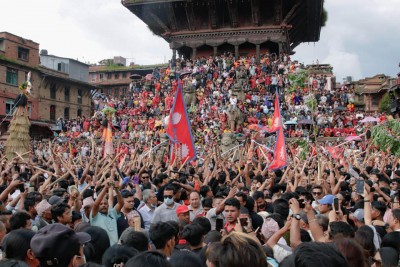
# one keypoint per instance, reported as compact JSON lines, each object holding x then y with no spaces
{"x":280,"y":155}
{"x":276,"y":120}
{"x":179,"y":131}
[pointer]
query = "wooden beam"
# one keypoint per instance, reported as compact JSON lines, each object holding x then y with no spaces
{"x":291,"y":13}
{"x":233,"y":13}
{"x":172,"y":17}
{"x":159,"y":21}
{"x":190,"y":15}
{"x":212,"y":11}
{"x":255,"y":12}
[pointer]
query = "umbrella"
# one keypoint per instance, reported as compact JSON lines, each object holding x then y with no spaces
{"x":369,"y":119}
{"x":290,"y":123}
{"x":353,"y":138}
{"x":183,"y":74}
{"x":305,"y":122}
{"x":135,"y":77}
{"x":149,"y":77}
{"x":339,"y":108}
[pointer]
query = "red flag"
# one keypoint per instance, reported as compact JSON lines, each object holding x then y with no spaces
{"x":276,"y":121}
{"x":179,"y":130}
{"x":280,"y":156}
{"x":335,"y":152}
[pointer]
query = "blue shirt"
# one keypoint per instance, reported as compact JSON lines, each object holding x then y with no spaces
{"x":108,"y":222}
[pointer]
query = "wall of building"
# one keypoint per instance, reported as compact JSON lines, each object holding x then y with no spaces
{"x":8,"y":92}
{"x":60,"y":102}
{"x":76,"y":70}
{"x":10,"y":45}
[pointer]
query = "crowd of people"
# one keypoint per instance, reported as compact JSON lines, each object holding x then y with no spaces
{"x":67,"y":203}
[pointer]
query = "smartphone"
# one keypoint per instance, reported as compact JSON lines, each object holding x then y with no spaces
{"x":301,"y":204}
{"x":336,"y":204}
{"x":243,"y":222}
{"x":31,"y":189}
{"x":359,"y":186}
{"x":219,"y":224}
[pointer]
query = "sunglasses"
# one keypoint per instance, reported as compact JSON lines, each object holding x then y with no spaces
{"x":144,"y":177}
{"x":165,"y":196}
{"x":317,"y":193}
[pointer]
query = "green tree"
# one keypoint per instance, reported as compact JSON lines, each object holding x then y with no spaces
{"x":384,"y":105}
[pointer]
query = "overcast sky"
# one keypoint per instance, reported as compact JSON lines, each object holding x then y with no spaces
{"x":361,"y":38}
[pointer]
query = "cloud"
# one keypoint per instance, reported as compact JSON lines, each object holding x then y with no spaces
{"x":359,"y":39}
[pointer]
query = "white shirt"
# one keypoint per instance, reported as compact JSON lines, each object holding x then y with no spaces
{"x":147,"y":215}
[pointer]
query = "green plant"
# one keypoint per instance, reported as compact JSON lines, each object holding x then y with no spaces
{"x":387,"y":137}
{"x":298,"y":80}
{"x":311,"y":102}
{"x":302,"y":146}
{"x":324,"y":18}
{"x":384,"y":105}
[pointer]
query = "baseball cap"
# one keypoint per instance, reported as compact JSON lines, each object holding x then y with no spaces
{"x":54,"y":243}
{"x":326,"y":200}
{"x":359,"y":215}
{"x":182,"y":209}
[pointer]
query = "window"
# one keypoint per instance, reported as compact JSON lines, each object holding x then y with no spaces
{"x":53,"y":91}
{"x":52,"y":113}
{"x":109,"y":91}
{"x":79,"y":96}
{"x":101,"y":76}
{"x":124,"y":75}
{"x":66,"y":94}
{"x":116,"y":92}
{"x":124,"y":91}
{"x":116,"y":76}
{"x":9,"y":106}
{"x":109,"y":76}
{"x":93,"y":75}
{"x":375,"y":101}
{"x":62,"y":67}
{"x":23,"y":53}
{"x":2,"y":44}
{"x":79,"y":113}
{"x":66,"y":113}
{"x":12,"y":76}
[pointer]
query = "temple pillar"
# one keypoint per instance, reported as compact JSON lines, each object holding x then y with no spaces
{"x":215,"y":48}
{"x":280,"y":47}
{"x":194,"y":53}
{"x":257,"y":53}
{"x":173,"y":57}
{"x":236,"y":52}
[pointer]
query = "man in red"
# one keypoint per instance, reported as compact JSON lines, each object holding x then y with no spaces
{"x":183,"y":213}
{"x":232,"y":212}
{"x":168,"y":102}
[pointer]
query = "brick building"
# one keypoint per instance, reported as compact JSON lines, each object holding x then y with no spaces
{"x":371,"y":90}
{"x":54,"y":93}
{"x":112,"y":78}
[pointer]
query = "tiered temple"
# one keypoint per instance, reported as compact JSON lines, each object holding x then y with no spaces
{"x":195,"y":28}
